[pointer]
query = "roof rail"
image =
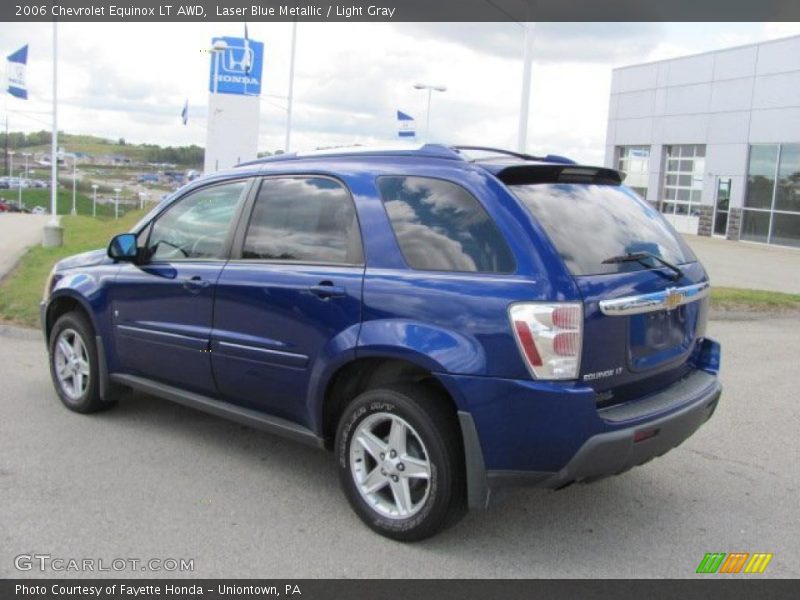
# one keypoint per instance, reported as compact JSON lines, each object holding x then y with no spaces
{"x":429,"y":150}
{"x":555,"y":158}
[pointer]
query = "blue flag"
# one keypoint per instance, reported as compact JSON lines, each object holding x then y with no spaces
{"x":16,"y":66}
{"x":405,"y":125}
{"x":185,"y":112}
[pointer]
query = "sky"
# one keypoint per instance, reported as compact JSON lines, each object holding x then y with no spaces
{"x":130,"y":80}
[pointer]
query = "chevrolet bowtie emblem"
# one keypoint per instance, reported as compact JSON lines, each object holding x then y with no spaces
{"x":673,"y":298}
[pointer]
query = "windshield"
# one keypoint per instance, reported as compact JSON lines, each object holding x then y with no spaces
{"x":592,"y":223}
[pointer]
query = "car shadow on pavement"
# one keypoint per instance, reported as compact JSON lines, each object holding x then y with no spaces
{"x":581,"y":520}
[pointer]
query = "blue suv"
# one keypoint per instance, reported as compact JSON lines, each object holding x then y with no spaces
{"x":446,"y":320}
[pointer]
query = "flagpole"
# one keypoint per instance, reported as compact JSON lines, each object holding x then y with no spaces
{"x":54,"y":136}
{"x":525,"y":99}
{"x":53,"y":232}
{"x":291,"y":88}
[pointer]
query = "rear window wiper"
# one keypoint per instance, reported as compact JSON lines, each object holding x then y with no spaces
{"x":641,"y":257}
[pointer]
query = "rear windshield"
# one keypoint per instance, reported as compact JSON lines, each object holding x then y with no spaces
{"x":591,"y":223}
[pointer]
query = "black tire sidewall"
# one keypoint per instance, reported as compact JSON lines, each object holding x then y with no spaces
{"x":435,"y":511}
{"x":90,"y":400}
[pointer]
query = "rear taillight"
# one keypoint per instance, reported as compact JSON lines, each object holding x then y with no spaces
{"x":550,"y":337}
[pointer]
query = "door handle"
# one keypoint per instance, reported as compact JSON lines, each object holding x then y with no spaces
{"x":196,"y":284}
{"x":326,"y":289}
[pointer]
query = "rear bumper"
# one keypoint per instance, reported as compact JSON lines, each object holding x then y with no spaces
{"x":551,"y":442}
{"x":616,"y":451}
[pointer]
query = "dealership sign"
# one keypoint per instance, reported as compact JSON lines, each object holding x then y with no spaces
{"x":238,"y":67}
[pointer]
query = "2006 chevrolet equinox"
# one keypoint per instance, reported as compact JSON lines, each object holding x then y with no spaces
{"x":445,"y":319}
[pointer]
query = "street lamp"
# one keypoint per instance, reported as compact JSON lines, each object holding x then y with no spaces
{"x":25,"y":155}
{"x":74,"y":179}
{"x":11,"y":176}
{"x":116,"y":202}
{"x":431,"y":89}
{"x":74,"y":158}
{"x":216,"y":49}
{"x":94,"y":199}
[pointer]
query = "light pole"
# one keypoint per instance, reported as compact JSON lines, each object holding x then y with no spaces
{"x":116,"y":202}
{"x":94,"y":199}
{"x":11,"y":176}
{"x":216,"y":49}
{"x":431,"y":89}
{"x":290,"y":96}
{"x":525,"y":101}
{"x":74,"y":180}
{"x":25,"y":155}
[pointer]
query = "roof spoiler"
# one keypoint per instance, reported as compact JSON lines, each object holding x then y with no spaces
{"x":555,"y":158}
{"x":559,"y":173}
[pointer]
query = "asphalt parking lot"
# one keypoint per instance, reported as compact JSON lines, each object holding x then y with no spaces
{"x":155,"y":480}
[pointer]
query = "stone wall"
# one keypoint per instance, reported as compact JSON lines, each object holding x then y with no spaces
{"x":734,"y":223}
{"x":706,"y":219}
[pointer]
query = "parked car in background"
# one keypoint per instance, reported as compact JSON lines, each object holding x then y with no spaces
{"x":446,"y":320}
{"x":38,"y":210}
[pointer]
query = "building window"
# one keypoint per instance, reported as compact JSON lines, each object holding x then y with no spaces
{"x":634,"y":161}
{"x":684,"y":172}
{"x":771,"y":212}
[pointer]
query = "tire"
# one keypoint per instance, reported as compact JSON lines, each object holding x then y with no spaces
{"x":391,"y":494}
{"x":74,"y":365}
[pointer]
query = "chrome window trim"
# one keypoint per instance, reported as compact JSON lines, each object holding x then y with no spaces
{"x":664,"y":300}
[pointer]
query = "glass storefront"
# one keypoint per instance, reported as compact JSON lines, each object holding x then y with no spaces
{"x":771,"y":212}
{"x":684,"y":171}
{"x":634,"y":161}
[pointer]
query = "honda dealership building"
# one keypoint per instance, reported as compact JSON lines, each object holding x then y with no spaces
{"x":714,"y":139}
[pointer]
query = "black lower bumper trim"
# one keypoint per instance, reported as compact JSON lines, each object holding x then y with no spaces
{"x":617,"y":451}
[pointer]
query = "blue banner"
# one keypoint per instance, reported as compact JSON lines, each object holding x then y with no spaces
{"x":405,"y":125}
{"x":16,"y":67}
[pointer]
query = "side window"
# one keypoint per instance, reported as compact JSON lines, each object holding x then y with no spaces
{"x":197,"y":225}
{"x":307,"y":219}
{"x":440,"y":226}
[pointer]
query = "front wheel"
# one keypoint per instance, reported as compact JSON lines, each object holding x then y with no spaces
{"x":400,"y":461}
{"x":74,"y":365}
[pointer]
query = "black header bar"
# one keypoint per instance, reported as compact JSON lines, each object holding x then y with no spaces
{"x":399,"y":10}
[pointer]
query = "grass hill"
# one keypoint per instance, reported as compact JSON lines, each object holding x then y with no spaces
{"x":186,"y":156}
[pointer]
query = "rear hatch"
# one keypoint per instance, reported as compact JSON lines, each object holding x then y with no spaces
{"x":645,"y":294}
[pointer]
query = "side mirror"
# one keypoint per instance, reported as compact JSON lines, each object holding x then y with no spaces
{"x":123,"y":247}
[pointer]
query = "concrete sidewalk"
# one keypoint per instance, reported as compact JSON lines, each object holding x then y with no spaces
{"x":18,"y":231}
{"x":744,"y":265}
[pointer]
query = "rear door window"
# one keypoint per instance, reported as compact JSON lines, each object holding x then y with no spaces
{"x":590,"y":223}
{"x":440,"y":226}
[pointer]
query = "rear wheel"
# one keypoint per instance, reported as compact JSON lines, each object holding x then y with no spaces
{"x":400,"y":461}
{"x":74,"y":365}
